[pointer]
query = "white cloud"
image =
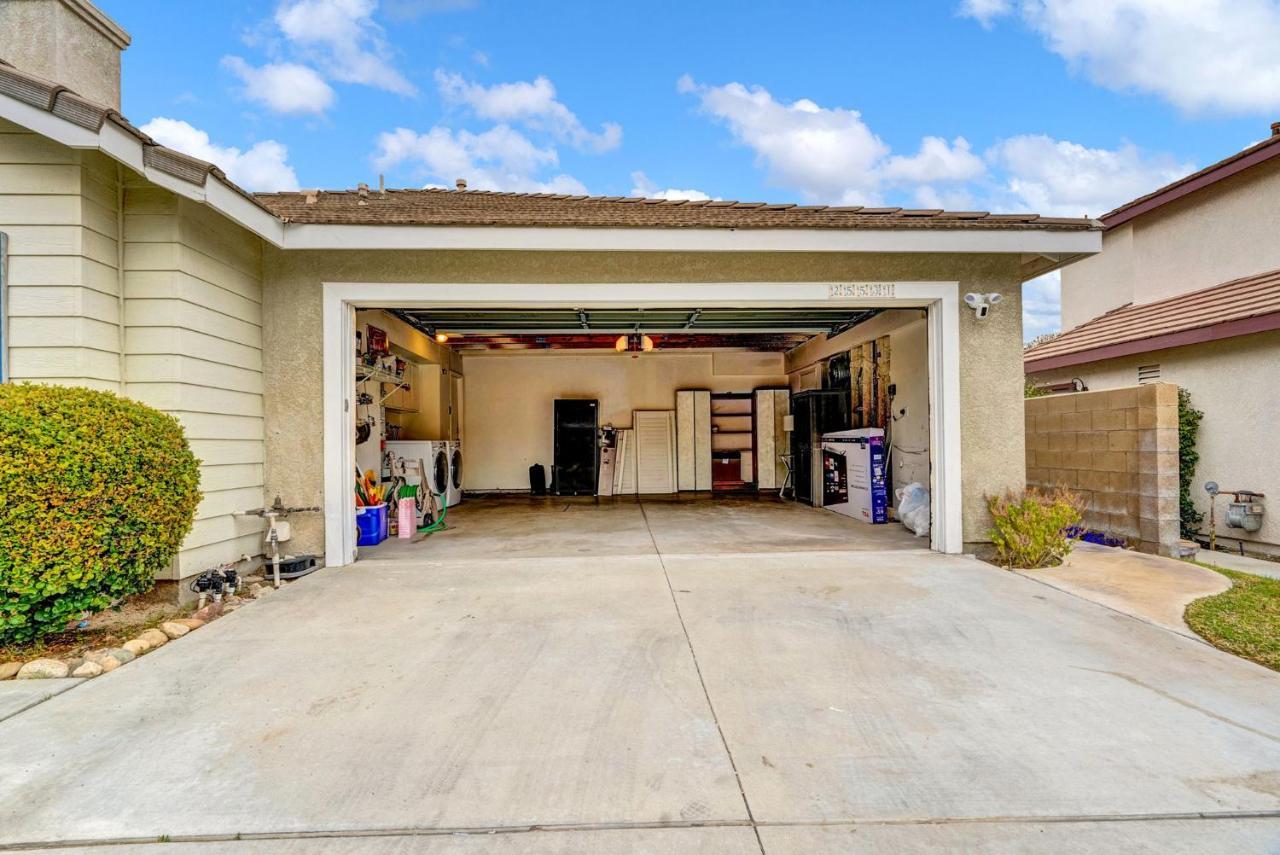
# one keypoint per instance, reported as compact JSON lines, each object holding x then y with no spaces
{"x":283,"y":87}
{"x":264,"y":166}
{"x":1057,"y":177}
{"x":532,"y":104}
{"x":647,"y":189}
{"x":828,"y":154}
{"x":341,"y":37}
{"x":497,"y":159}
{"x":937,"y":160}
{"x":1042,"y":305}
{"x":985,"y":11}
{"x":1200,"y":55}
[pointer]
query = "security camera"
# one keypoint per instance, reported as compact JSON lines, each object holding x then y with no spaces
{"x":982,"y":303}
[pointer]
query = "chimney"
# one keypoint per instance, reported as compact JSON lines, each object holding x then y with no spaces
{"x":1275,"y":129}
{"x":69,"y":42}
{"x":461,"y":184}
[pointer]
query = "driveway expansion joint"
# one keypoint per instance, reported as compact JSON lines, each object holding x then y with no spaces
{"x":568,"y":828}
{"x":737,"y":776}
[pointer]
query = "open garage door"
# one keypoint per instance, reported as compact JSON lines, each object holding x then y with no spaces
{"x":781,"y":366}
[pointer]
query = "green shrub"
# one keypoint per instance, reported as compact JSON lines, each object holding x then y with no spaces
{"x":99,"y":492}
{"x":1188,"y":432}
{"x":1030,"y":529}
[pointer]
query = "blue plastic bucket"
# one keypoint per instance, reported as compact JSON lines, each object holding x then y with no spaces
{"x":371,"y":522}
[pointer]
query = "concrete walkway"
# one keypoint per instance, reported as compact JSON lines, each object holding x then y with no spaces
{"x":1149,"y":587}
{"x":1240,"y":563}
{"x":787,"y":701}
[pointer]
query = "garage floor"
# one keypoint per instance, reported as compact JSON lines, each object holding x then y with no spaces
{"x":676,"y":678}
{"x":631,"y":525}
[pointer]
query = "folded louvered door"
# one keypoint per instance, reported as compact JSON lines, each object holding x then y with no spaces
{"x":655,"y":436}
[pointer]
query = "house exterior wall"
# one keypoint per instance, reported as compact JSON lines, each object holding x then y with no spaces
{"x":992,"y":440}
{"x":162,"y":304}
{"x":1233,"y":382}
{"x":193,"y":348}
{"x":60,"y":208}
{"x":1217,"y":234}
{"x":1118,"y":450}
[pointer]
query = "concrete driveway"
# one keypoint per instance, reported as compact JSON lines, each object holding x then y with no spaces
{"x":832,"y":692}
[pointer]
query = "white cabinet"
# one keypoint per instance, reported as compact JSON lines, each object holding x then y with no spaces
{"x":693,"y":439}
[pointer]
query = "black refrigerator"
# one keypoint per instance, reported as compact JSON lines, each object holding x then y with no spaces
{"x":577,"y":448}
{"x":815,"y":413}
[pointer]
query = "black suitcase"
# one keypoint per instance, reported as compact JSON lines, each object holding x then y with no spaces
{"x":537,"y":480}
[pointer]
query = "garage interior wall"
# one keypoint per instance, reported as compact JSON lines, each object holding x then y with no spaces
{"x":908,"y":370}
{"x":509,"y":398}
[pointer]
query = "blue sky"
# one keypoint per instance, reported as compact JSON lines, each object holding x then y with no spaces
{"x":1056,"y":106}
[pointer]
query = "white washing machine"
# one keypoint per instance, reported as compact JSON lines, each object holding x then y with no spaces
{"x":454,"y":494}
{"x":403,"y":455}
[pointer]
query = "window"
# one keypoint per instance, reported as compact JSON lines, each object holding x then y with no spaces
{"x":1148,"y":374}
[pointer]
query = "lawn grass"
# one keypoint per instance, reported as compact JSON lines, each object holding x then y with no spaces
{"x":1244,"y":620}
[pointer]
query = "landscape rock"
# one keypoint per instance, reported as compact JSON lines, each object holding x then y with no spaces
{"x":124,"y":657}
{"x":136,"y":646}
{"x":8,"y":669}
{"x":103,"y":659}
{"x":88,"y":669}
{"x":208,"y":613}
{"x":263,"y":590}
{"x":255,"y":579}
{"x":173,"y":629}
{"x":73,"y":663}
{"x":188,"y":622}
{"x":256,"y":591}
{"x":43,"y":669}
{"x":155,"y":638}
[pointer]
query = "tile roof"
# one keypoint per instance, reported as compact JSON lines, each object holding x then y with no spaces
{"x":485,"y":208}
{"x":1239,"y":307}
{"x":1225,"y":168}
{"x":65,"y":104}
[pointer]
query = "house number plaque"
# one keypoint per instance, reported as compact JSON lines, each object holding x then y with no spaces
{"x":861,"y":290}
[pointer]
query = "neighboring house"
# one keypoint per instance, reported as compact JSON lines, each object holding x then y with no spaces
{"x":1187,"y":291}
{"x":137,"y":269}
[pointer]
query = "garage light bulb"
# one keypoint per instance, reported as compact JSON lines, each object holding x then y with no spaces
{"x":442,"y":337}
{"x":621,"y":344}
{"x":646,"y":344}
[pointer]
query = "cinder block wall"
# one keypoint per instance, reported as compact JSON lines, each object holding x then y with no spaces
{"x":1118,"y":449}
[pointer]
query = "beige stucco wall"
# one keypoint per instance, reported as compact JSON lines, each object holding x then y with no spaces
{"x":991,"y":379}
{"x":508,"y":421}
{"x":60,"y":208}
{"x":1117,"y":449}
{"x":1223,"y":232}
{"x":65,"y":41}
{"x":1234,"y":383}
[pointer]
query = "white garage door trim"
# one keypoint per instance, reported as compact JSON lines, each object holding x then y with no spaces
{"x":941,"y":299}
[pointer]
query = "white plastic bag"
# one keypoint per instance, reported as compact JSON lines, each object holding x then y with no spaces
{"x":913,"y":508}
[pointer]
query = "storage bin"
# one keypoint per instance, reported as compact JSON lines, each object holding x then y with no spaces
{"x":371,"y":522}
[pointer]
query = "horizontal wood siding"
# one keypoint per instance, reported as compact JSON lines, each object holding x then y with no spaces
{"x":59,"y":207}
{"x":193,"y":347}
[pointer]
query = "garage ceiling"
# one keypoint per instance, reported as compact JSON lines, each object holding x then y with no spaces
{"x":685,"y":321}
